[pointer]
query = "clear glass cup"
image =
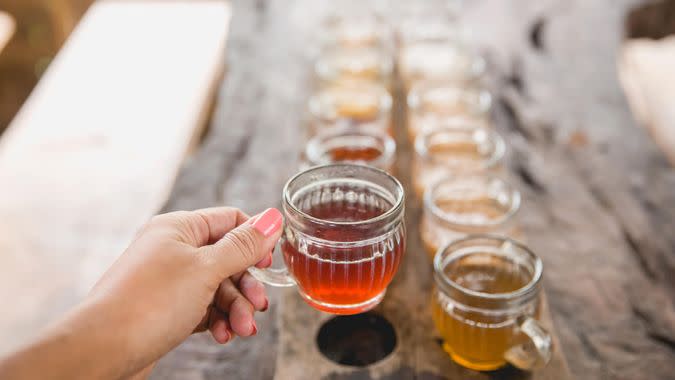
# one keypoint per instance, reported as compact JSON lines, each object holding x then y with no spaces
{"x":486,"y":303}
{"x":363,"y":146}
{"x":354,"y":102}
{"x":439,"y":60}
{"x":337,"y":63}
{"x":434,"y":104}
{"x":446,"y":152}
{"x":344,"y":237}
{"x":352,"y":25}
{"x":455,"y":207}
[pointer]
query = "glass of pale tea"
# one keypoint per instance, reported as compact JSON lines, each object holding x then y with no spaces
{"x":445,"y":152}
{"x":437,"y":104}
{"x":486,"y":303}
{"x":337,"y":63}
{"x":355,"y":102}
{"x":349,"y":144}
{"x":439,"y":60}
{"x":344,"y":237}
{"x":457,"y":206}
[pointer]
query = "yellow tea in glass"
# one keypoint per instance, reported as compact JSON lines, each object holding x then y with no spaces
{"x":485,"y":304}
{"x":457,"y":206}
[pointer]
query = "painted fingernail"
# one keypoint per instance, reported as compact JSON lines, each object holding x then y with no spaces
{"x":268,"y":222}
{"x":254,"y":329}
{"x":267,"y":305}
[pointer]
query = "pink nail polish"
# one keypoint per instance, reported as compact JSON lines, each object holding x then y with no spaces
{"x":268,"y":222}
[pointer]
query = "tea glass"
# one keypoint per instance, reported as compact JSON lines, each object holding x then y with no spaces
{"x":445,"y":152}
{"x":364,"y":146}
{"x":455,"y":207}
{"x":434,"y":104}
{"x":337,"y":63}
{"x":343,"y":239}
{"x":436,"y":60}
{"x":356,"y":102}
{"x":486,"y":303}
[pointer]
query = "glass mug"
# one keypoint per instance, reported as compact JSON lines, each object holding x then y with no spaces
{"x":337,"y":63}
{"x":344,"y":237}
{"x":486,"y":304}
{"x":347,"y":144}
{"x":440,"y":103}
{"x":356,"y":102}
{"x":458,"y":206}
{"x":439,"y":60}
{"x":445,"y":152}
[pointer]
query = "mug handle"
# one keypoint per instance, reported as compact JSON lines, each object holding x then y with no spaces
{"x":536,"y":352}
{"x":277,"y":277}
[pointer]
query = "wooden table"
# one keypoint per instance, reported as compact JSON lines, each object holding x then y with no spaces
{"x":599,"y":205}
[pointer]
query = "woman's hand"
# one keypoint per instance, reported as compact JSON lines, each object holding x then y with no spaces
{"x":184,"y":272}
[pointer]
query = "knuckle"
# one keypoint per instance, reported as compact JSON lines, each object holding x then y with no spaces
{"x":246,"y":243}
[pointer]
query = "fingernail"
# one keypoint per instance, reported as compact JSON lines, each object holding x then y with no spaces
{"x":228,"y":336}
{"x":254,"y":328}
{"x":268,"y":222}
{"x":267,"y":305}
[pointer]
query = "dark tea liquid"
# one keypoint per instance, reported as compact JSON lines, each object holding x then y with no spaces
{"x":356,"y":153}
{"x":339,"y":279}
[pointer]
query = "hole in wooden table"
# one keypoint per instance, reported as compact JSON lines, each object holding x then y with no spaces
{"x":356,"y":340}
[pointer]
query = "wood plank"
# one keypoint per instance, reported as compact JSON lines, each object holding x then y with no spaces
{"x":7,"y":27}
{"x":647,"y":73}
{"x":94,"y":151}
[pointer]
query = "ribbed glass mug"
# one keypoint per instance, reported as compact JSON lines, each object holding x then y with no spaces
{"x":486,"y":303}
{"x":344,"y":237}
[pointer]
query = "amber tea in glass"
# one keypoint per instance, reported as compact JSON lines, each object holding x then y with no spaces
{"x":485,"y":303}
{"x":343,"y":238}
{"x":349,"y":144}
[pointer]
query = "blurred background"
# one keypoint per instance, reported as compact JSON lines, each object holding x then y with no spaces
{"x":40,"y":27}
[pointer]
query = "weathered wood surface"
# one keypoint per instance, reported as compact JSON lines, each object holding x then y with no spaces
{"x":598,"y":200}
{"x":94,"y":151}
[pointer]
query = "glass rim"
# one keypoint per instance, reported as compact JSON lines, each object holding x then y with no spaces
{"x":313,"y":151}
{"x":441,"y":260}
{"x":395,"y":208}
{"x":384,"y":100}
{"x":429,"y":204}
{"x":422,"y":144}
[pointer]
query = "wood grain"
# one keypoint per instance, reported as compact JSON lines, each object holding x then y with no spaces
{"x":94,"y":151}
{"x":598,"y":201}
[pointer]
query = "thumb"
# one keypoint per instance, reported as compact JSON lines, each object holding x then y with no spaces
{"x":245,"y":245}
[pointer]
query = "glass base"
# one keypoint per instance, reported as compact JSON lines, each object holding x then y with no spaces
{"x":477,"y":366}
{"x":344,"y":309}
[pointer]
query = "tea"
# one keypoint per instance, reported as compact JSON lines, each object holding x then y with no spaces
{"x":479,"y":213}
{"x":365,"y":146}
{"x":364,"y":154}
{"x":448,"y":152}
{"x":345,"y":267}
{"x":476,"y":339}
